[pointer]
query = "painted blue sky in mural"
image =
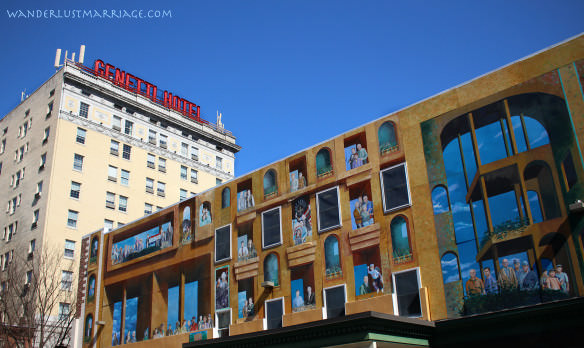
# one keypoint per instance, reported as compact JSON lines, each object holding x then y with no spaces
{"x":275,"y":65}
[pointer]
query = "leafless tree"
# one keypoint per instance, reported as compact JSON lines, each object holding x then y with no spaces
{"x":36,"y":302}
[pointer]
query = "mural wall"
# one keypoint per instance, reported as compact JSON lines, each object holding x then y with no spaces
{"x":144,"y":243}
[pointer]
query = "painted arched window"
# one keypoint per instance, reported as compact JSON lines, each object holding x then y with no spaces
{"x":91,"y":288}
{"x":323,"y":162}
{"x":450,"y":271}
{"x":270,"y":184}
{"x":400,"y":239}
{"x":94,"y":247}
{"x":186,"y":226}
{"x":225,"y":197}
{"x":271,"y":269}
{"x":536,"y":133}
{"x":205,"y":214}
{"x":332,"y":257}
{"x":543,"y":202}
{"x":88,"y":326}
{"x":387,"y":138}
{"x":440,"y":200}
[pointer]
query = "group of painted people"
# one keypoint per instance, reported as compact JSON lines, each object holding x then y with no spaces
{"x":248,"y":308}
{"x":363,"y":212}
{"x":246,"y":251}
{"x":299,"y":303}
{"x":358,"y":156}
{"x":518,"y":277}
{"x":376,"y":281}
{"x":204,"y":322}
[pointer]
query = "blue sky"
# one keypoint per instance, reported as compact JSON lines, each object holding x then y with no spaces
{"x":289,"y":74}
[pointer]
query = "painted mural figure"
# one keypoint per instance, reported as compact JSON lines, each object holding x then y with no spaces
{"x":354,"y":160}
{"x":222,"y":292}
{"x":204,"y":215}
{"x":563,"y":277}
{"x":490,"y":282}
{"x":298,"y":300}
{"x":375,"y":274}
{"x":474,"y":286}
{"x":244,"y":200}
{"x":552,"y":282}
{"x":309,"y":300}
{"x":186,"y":227}
{"x":365,"y":289}
{"x":302,"y":221}
{"x":293,"y":181}
{"x":357,"y":212}
{"x":507,"y":276}
{"x":243,"y":252}
{"x":362,"y":153}
{"x":250,"y":308}
{"x":527,"y":278}
{"x":251,"y":249}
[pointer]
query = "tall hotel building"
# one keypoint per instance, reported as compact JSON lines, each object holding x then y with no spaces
{"x":455,"y":222}
{"x":85,"y":151}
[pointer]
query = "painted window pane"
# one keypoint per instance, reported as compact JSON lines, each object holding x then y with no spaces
{"x":478,"y":208}
{"x":191,"y":303}
{"x":395,"y":187}
{"x":470,"y":163}
{"x":226,"y":198}
{"x":399,"y":238}
{"x":328,"y":209}
{"x":186,"y":226}
{"x":172,"y":313}
{"x":274,"y":310}
{"x":117,"y":323}
{"x":270,"y":186}
{"x":331,"y":256}
{"x":491,"y":143}
{"x":223,"y":243}
{"x":519,"y":135}
{"x":271,"y":269}
{"x":301,"y":220}
{"x":534,"y":206}
{"x":408,"y":294}
{"x":503,"y":208}
{"x":271,"y":228}
{"x":130,"y":320}
{"x":449,"y":265}
{"x":335,"y":299}
{"x":535,"y":132}
{"x":387,"y":138}
{"x":323,"y":162}
{"x":440,"y":200}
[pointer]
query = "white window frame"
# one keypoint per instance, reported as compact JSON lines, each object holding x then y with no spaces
{"x":216,"y":323}
{"x":78,"y":191}
{"x":324,"y":307}
{"x":266,"y":310}
{"x":339,"y":208}
{"x":127,"y":183}
{"x":230,"y":244}
{"x":125,"y":206}
{"x":67,"y":288}
{"x":279,"y":208}
{"x":419,"y":278}
{"x":385,"y":210}
{"x":65,"y":249}
{"x":76,"y":218}
{"x":128,"y":124}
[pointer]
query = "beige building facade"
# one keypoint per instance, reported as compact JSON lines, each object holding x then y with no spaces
{"x":81,"y":152}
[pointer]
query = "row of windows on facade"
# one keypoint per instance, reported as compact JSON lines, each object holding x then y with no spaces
{"x":395,"y":195}
{"x":355,"y":154}
{"x":154,"y":137}
{"x":7,"y":258}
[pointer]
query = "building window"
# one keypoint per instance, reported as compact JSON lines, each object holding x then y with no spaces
{"x":328,"y":207}
{"x":126,"y":152}
{"x":400,"y":241}
{"x":270,"y":184}
{"x":114,"y":147}
{"x":125,"y":177}
{"x":163,"y":141}
{"x":46,"y":135}
{"x":110,"y":200}
{"x":406,"y":286}
{"x":223,"y":244}
{"x":35,"y":218}
{"x":123,"y":204}
{"x":44,"y":161}
{"x":69,"y":249}
{"x":72,"y":217}
{"x":160,"y":189}
{"x":274,"y":313}
{"x":31,"y":247}
{"x":83,"y":109}
{"x":194,"y":153}
{"x":81,"y":135}
{"x":332,"y":258}
{"x":150,"y":160}
{"x":64,"y":309}
{"x":49,"y":109}
{"x":271,"y":228}
{"x":182,"y":194}
{"x":162,"y":164}
{"x":152,"y":137}
{"x":66,"y":280}
{"x":78,"y":162}
{"x":2,"y":146}
{"x":271,"y":269}
{"x":108,"y":225}
{"x":147,"y":208}
{"x":225,"y":197}
{"x":218,"y":181}
{"x":75,"y":190}
{"x":112,"y":173}
{"x":149,"y":185}
{"x":128,"y":127}
{"x":218,"y":163}
{"x":194,"y":176}
{"x":334,"y":301}
{"x":117,"y":123}
{"x":323,"y":162}
{"x":395,"y":188}
{"x":183,"y":172}
{"x":184,"y":149}
{"x":28,"y":279}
